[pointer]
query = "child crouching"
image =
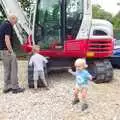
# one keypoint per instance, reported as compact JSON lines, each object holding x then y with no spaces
{"x":38,"y":61}
{"x":82,"y":79}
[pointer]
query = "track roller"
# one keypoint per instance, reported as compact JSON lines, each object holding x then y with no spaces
{"x":102,"y":71}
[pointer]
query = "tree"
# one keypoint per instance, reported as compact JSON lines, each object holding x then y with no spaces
{"x":2,"y":14}
{"x":100,"y":13}
{"x":25,"y":4}
{"x":116,"y":21}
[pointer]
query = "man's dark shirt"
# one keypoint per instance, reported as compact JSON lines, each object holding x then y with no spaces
{"x":5,"y":29}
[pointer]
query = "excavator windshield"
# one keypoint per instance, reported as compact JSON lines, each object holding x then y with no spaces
{"x":74,"y":15}
{"x":56,"y":20}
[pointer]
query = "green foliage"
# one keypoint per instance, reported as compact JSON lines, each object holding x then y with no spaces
{"x":2,"y":16}
{"x":25,"y":4}
{"x":99,"y":13}
{"x":116,"y":21}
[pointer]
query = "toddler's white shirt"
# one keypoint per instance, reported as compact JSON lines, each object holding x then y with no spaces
{"x":38,"y":61}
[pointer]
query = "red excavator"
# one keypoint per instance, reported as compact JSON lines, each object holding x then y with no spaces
{"x":65,"y":31}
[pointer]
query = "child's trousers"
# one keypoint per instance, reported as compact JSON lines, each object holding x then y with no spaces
{"x":40,"y":74}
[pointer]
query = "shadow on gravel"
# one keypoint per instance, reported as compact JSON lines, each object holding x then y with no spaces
{"x":59,"y":76}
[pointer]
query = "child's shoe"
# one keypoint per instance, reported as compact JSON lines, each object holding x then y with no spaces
{"x":75,"y":101}
{"x":47,"y":88}
{"x":84,"y":106}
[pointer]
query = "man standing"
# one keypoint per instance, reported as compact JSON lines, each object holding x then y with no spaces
{"x":8,"y":56}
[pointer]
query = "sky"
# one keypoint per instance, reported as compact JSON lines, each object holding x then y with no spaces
{"x":108,"y":5}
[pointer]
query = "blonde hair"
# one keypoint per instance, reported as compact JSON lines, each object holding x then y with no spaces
{"x":36,"y":48}
{"x":81,"y":61}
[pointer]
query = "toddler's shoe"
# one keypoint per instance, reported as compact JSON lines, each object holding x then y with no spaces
{"x":84,"y":106}
{"x":47,"y":88}
{"x":75,"y":101}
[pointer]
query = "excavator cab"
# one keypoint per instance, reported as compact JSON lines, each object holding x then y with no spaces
{"x":57,"y":21}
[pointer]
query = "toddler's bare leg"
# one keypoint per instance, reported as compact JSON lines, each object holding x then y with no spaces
{"x":76,"y":98}
{"x":76,"y":91}
{"x":84,"y":96}
{"x":84,"y":93}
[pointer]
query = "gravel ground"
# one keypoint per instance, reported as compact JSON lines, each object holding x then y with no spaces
{"x":55,"y":104}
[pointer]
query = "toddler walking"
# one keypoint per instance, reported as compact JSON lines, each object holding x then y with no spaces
{"x":82,"y":79}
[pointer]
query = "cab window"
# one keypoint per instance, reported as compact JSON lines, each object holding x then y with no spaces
{"x":99,"y":32}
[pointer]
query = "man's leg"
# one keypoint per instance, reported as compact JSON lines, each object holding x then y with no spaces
{"x":14,"y":77}
{"x":14,"y":73}
{"x":7,"y":70}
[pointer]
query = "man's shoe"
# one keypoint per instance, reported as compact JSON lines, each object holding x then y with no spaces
{"x":75,"y":101}
{"x":7,"y":90}
{"x":19,"y":90}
